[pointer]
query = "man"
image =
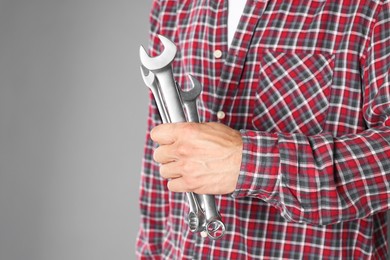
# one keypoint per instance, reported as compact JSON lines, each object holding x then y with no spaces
{"x":296,"y":139}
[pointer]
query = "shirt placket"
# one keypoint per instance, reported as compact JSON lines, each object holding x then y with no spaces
{"x":230,"y":63}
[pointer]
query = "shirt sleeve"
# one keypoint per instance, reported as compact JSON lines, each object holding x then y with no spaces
{"x":324,"y":179}
{"x":153,"y":192}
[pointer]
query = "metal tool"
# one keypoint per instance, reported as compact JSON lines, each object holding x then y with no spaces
{"x":158,"y":76}
{"x":214,"y":226}
{"x":161,"y":67}
{"x":167,"y":90}
{"x":151,"y":82}
{"x":189,"y":99}
{"x":196,"y":218}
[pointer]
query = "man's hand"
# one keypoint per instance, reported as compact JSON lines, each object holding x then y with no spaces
{"x":204,"y":158}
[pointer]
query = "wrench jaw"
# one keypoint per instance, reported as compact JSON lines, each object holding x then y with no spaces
{"x":159,"y":62}
{"x":189,"y":99}
{"x":161,"y":66}
{"x":194,"y":92}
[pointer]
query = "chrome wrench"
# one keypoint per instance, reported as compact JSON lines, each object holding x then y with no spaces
{"x":151,"y":82}
{"x":161,"y":67}
{"x":196,"y":218}
{"x":214,"y":227}
{"x":169,"y":95}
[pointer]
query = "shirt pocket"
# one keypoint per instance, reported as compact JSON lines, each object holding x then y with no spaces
{"x":293,"y":92}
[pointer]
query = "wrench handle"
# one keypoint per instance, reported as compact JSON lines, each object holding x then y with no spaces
{"x":196,"y":218}
{"x":192,"y":112}
{"x":170,"y":94}
{"x":214,"y":227}
{"x":160,"y":105}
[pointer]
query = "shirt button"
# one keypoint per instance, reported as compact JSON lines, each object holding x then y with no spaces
{"x":220,"y":115}
{"x":217,"y":54}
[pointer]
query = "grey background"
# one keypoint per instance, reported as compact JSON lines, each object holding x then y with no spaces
{"x":73,"y":113}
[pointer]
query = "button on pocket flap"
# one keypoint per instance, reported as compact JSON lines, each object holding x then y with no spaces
{"x":293,"y":92}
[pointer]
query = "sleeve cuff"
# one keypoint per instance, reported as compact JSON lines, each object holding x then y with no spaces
{"x":259,"y":171}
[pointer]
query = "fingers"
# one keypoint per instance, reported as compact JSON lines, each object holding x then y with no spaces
{"x":170,"y":139}
{"x":164,"y":154}
{"x":170,"y":133}
{"x":179,"y":180}
{"x":176,"y":182}
{"x":177,"y":185}
{"x":163,"y":134}
{"x":169,"y":171}
{"x":202,"y":158}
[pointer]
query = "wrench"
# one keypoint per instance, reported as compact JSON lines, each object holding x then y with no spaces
{"x":161,"y":67}
{"x":189,"y":99}
{"x":196,"y":216}
{"x":151,"y":82}
{"x":169,"y":92}
{"x":214,"y":228}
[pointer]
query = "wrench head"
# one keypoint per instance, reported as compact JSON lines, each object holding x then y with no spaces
{"x":161,"y":61}
{"x":148,"y":76}
{"x":194,"y":92}
{"x":215,"y":229}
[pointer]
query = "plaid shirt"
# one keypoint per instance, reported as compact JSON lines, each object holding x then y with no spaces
{"x":307,"y":83}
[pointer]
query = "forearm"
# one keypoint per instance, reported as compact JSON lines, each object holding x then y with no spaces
{"x":318,"y":179}
{"x":326,"y":178}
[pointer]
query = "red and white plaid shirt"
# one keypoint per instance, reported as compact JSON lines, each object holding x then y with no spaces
{"x":307,"y":83}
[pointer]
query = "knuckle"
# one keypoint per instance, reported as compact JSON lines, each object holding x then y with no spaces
{"x":170,"y":186}
{"x":182,"y":150}
{"x":174,"y":185}
{"x":163,"y":171}
{"x":189,"y":184}
{"x":188,"y":129}
{"x":185,"y":144}
{"x":153,"y":133}
{"x":187,"y":169}
{"x":156,"y":155}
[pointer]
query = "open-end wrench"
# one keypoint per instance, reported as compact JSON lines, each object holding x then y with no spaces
{"x":169,"y":92}
{"x":151,"y":82}
{"x":161,"y":67}
{"x":196,"y":218}
{"x":189,"y":99}
{"x":214,"y":227}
